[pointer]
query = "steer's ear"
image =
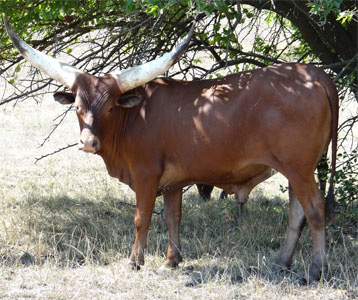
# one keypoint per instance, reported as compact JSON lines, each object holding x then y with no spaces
{"x":129,"y":101}
{"x":64,"y":98}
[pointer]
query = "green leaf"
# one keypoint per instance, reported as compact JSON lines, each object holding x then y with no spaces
{"x":130,"y":7}
{"x":152,"y":10}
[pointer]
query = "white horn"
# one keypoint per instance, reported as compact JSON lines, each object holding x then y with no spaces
{"x":61,"y":72}
{"x":131,"y":78}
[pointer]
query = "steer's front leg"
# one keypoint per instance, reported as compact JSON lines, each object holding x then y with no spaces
{"x":145,"y":194}
{"x":172,"y":218}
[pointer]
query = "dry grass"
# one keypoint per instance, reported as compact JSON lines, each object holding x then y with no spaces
{"x":65,"y":232}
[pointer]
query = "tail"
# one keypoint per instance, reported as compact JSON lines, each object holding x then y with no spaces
{"x":333,"y":103}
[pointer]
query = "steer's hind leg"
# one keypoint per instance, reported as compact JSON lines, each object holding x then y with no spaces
{"x":172,"y":218}
{"x":313,"y":205}
{"x":296,"y":221}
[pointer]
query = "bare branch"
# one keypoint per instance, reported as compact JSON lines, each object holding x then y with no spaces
{"x":57,"y":151}
{"x":62,"y":117}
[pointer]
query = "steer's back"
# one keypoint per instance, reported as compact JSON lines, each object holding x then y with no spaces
{"x":220,"y":130}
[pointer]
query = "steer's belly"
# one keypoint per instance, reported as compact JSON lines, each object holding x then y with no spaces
{"x":176,"y":176}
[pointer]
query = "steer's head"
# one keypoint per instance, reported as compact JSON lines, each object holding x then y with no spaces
{"x":95,"y":97}
{"x":95,"y":100}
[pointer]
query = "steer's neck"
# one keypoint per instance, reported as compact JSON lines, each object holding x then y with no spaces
{"x":114,"y":143}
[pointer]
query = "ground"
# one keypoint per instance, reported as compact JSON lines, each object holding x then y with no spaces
{"x":66,"y":230}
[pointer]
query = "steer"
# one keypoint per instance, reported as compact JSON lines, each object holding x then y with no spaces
{"x":157,"y":135}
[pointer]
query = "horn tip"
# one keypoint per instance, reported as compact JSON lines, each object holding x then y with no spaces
{"x":192,"y":28}
{"x":178,"y":51}
{"x":6,"y":23}
{"x":18,"y":43}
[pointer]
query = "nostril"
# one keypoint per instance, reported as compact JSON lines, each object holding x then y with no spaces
{"x":95,"y":143}
{"x":89,"y":144}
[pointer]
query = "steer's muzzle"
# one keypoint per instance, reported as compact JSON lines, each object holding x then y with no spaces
{"x":89,"y":143}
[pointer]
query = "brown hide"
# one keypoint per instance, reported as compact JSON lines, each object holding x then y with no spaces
{"x":222,"y":132}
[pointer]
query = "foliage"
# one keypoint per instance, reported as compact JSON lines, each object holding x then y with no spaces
{"x":102,"y":36}
{"x":324,"y":7}
{"x":347,"y":187}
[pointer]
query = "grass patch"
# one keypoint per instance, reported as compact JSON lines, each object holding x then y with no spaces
{"x":64,"y":223}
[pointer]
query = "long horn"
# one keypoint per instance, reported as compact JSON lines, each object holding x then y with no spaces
{"x":61,"y":72}
{"x":131,"y":78}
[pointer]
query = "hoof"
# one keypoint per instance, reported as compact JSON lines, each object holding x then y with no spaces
{"x":135,"y":265}
{"x":303,"y":281}
{"x":281,"y":265}
{"x":307,"y":281}
{"x":171,"y":264}
{"x":278,"y":268}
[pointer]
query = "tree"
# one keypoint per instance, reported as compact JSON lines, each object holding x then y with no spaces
{"x":101,"y":36}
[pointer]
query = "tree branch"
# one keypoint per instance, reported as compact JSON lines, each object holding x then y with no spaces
{"x":52,"y":153}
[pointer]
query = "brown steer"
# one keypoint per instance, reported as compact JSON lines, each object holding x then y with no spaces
{"x":158,"y":135}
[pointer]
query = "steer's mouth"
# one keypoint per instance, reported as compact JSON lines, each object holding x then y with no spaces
{"x":87,"y":150}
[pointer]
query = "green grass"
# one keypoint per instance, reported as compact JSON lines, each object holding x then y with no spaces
{"x":66,"y":230}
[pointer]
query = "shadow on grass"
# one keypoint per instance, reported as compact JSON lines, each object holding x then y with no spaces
{"x":81,"y":230}
{"x":73,"y":231}
{"x":218,"y":241}
{"x":235,"y":274}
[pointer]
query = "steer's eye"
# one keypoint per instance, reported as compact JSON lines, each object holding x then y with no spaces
{"x":110,"y":110}
{"x":79,"y":110}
